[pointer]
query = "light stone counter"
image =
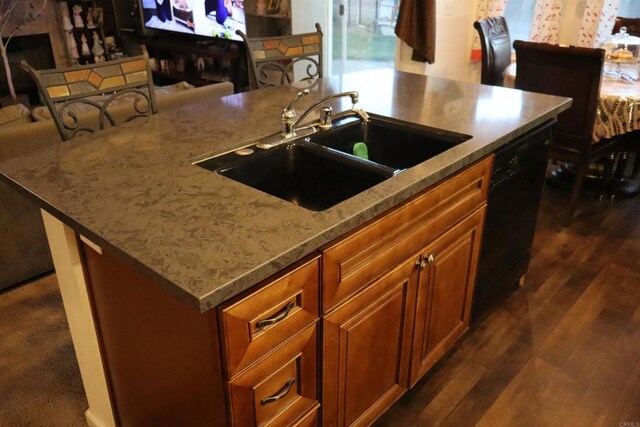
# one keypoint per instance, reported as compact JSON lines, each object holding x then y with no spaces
{"x":134,"y":191}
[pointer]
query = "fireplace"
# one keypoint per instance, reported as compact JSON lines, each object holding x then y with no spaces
{"x":35,"y":49}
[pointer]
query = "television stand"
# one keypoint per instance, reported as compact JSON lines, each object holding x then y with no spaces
{"x":188,"y":60}
{"x":218,"y":45}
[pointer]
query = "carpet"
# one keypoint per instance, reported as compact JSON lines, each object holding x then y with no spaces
{"x":40,"y":381}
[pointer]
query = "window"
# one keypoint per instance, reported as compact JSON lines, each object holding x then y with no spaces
{"x":629,"y":9}
{"x":519,"y":16}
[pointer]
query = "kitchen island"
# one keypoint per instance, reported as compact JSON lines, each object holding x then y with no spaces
{"x":182,"y":240}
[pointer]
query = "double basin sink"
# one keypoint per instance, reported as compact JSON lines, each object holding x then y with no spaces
{"x":320,"y":170}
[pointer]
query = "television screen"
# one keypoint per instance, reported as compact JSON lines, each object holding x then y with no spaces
{"x":209,"y":18}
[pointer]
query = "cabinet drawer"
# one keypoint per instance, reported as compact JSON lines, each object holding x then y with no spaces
{"x":282,"y":388}
{"x":352,"y":262}
{"x":308,"y":420}
{"x":259,"y":322}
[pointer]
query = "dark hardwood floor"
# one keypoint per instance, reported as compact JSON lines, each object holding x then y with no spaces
{"x":563,"y":350}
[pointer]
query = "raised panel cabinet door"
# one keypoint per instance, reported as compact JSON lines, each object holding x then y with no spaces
{"x":447,"y":276}
{"x":352,"y":262}
{"x":366,"y":349}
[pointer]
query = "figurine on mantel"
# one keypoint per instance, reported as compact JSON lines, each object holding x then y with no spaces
{"x":90,"y":23}
{"x":98,"y":50}
{"x":66,"y":21}
{"x":85,"y":47}
{"x":77,"y":17}
{"x":73,"y":47}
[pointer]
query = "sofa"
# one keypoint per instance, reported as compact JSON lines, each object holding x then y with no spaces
{"x":24,"y":251}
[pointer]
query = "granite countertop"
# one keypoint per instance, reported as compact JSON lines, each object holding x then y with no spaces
{"x":134,"y":191}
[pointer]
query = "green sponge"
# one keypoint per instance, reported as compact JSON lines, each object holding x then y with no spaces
{"x":360,"y":150}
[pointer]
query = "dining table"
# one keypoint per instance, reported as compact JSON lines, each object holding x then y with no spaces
{"x":618,"y":110}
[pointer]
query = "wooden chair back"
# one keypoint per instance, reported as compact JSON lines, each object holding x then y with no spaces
{"x":273,"y":61}
{"x":572,"y":72}
{"x":632,"y":24}
{"x":496,"y":49}
{"x":95,"y":90}
{"x":576,"y":73}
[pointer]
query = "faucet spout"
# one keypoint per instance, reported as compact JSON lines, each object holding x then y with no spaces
{"x":290,"y":123}
{"x":352,"y":94}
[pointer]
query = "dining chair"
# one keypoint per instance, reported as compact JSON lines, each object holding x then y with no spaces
{"x":80,"y":98}
{"x":631,"y":142}
{"x":632,"y":24}
{"x":572,"y":72}
{"x":496,"y":49}
{"x":276,"y":60}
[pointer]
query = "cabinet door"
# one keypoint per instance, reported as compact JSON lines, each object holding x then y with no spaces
{"x":445,"y":291}
{"x":366,"y":349}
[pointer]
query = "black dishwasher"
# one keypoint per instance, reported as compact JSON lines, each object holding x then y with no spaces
{"x":512,"y":210}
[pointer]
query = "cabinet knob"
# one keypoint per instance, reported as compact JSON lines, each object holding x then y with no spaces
{"x":421,"y":263}
{"x":430,"y":259}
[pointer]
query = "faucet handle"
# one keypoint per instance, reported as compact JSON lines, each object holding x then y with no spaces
{"x":354,"y":98}
{"x":289,"y":109}
{"x":325,"y":118}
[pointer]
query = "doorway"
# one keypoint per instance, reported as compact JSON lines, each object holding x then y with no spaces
{"x":363,"y":35}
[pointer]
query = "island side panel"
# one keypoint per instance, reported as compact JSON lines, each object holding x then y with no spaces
{"x":162,"y":357}
{"x":67,"y":262}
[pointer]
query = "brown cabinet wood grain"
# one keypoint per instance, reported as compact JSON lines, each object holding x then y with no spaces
{"x":388,"y":301}
{"x":258,"y":322}
{"x":367,"y":347}
{"x":444,"y":295}
{"x":397,"y":294}
{"x":352,"y":262}
{"x":280,"y":389}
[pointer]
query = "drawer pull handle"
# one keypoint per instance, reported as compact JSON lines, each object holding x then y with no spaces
{"x":430,"y":259}
{"x":281,"y":315}
{"x":280,"y":394}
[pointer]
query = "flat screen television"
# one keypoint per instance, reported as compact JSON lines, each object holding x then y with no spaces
{"x":207,"y":18}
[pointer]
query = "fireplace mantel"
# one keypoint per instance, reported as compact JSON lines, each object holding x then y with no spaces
{"x":49,"y":24}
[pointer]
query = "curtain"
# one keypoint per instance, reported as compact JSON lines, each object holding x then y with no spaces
{"x":486,"y":8}
{"x":597,"y":21}
{"x":546,"y":21}
{"x":416,"y":26}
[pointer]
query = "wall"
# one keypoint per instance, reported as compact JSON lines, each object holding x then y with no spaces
{"x":305,"y":14}
{"x":454,"y":32}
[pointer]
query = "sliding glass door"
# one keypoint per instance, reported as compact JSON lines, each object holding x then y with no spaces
{"x":363,"y":34}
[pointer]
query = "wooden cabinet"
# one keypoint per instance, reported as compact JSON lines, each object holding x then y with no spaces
{"x":369,"y":314}
{"x":270,"y":350}
{"x":352,"y":262}
{"x":366,"y":349}
{"x":281,"y":389}
{"x":254,"y":324}
{"x":447,"y":276}
{"x":397,"y":294}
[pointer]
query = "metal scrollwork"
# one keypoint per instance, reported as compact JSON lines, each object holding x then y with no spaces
{"x":76,"y":123}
